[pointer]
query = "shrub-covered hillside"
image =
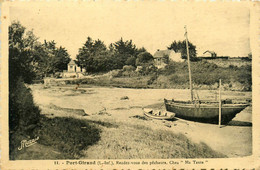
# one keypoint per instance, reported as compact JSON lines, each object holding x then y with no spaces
{"x":175,"y":75}
{"x":204,"y":73}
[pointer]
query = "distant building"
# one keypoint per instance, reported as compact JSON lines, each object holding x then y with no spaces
{"x":162,"y":57}
{"x":73,"y":70}
{"x":209,"y":54}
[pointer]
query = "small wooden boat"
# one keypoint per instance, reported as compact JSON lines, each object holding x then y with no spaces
{"x":158,"y":114}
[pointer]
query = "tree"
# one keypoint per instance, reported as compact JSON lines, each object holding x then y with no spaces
{"x":23,"y":114}
{"x":21,"y":48}
{"x":61,"y":59}
{"x":93,"y":55}
{"x":96,"y":57}
{"x":85,"y":52}
{"x":143,"y":58}
{"x":29,"y":59}
{"x":124,"y":52}
{"x":180,"y":46}
{"x":131,"y":61}
{"x":125,"y":47}
{"x":99,"y":48}
{"x":50,"y":59}
{"x":140,"y":50}
{"x":46,"y":57}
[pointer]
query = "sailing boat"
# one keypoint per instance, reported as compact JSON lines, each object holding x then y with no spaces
{"x":203,"y":111}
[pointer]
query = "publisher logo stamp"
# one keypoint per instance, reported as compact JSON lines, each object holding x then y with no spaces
{"x":27,"y":143}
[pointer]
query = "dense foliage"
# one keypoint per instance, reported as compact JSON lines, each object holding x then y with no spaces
{"x":144,"y":58}
{"x":28,"y":60}
{"x":50,"y":59}
{"x":180,"y":46}
{"x":204,"y":73}
{"x":23,"y":114}
{"x":21,"y":47}
{"x":66,"y":135}
{"x":96,"y":57}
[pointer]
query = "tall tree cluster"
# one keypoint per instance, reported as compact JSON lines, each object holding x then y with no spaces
{"x":96,"y":57}
{"x":50,"y":59}
{"x":30,"y":59}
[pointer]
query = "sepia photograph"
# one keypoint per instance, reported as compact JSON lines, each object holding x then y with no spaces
{"x":114,"y":83}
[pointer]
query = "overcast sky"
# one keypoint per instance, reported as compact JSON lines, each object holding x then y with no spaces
{"x":220,"y":27}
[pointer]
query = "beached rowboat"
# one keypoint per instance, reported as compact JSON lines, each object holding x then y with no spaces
{"x":158,"y":114}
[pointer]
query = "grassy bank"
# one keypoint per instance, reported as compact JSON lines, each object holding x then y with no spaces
{"x":140,"y":142}
{"x":61,"y":138}
{"x":63,"y":135}
{"x":162,"y":82}
{"x":175,"y":75}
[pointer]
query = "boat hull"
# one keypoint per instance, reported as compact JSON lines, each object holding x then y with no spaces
{"x":204,"y":112}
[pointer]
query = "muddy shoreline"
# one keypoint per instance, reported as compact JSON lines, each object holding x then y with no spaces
{"x":232,"y":140}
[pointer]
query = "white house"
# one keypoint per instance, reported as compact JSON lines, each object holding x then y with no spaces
{"x":73,"y":70}
{"x":160,"y":57}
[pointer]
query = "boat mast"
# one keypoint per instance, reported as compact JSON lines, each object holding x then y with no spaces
{"x":188,"y":55}
{"x":219,"y":112}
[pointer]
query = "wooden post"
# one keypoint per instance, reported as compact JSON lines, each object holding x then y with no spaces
{"x":219,"y":118}
{"x":188,"y":58}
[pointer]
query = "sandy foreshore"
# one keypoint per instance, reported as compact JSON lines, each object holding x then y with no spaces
{"x":232,"y":140}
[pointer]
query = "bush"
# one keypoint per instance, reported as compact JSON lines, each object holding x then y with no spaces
{"x":116,"y":73}
{"x":152,"y":79}
{"x":68,"y":135}
{"x":202,"y":67}
{"x":175,"y":67}
{"x":23,"y":114}
{"x":205,"y":73}
{"x":179,"y":78}
{"x":148,"y":69}
{"x":246,"y":77}
{"x":128,"y":68}
{"x":144,"y":58}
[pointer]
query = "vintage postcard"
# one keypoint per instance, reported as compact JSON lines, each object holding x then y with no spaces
{"x":130,"y":85}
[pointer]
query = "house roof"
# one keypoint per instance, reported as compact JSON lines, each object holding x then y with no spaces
{"x":161,"y":53}
{"x":72,"y":62}
{"x":211,"y":52}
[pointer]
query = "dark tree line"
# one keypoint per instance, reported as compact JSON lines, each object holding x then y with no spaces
{"x":35,"y":60}
{"x":96,"y":57}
